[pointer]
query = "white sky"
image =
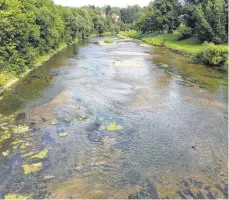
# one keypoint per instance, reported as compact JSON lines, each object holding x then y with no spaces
{"x":100,"y":3}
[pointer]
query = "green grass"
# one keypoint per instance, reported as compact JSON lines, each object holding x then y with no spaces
{"x":108,"y":41}
{"x":191,"y":46}
{"x":131,"y":34}
{"x":5,"y":77}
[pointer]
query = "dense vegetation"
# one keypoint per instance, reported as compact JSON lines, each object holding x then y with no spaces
{"x":31,"y":29}
{"x":171,"y":23}
{"x":208,"y":19}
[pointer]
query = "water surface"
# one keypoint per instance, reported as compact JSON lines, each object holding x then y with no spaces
{"x":115,"y":121}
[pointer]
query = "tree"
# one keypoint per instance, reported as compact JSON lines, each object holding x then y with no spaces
{"x":130,"y":14}
{"x":108,"y":10}
{"x":161,"y":15}
{"x":211,"y":21}
{"x":29,"y":29}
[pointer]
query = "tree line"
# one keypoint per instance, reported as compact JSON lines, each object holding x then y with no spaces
{"x":29,"y":29}
{"x":208,"y":19}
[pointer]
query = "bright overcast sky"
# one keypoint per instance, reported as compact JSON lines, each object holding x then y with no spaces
{"x":118,"y":3}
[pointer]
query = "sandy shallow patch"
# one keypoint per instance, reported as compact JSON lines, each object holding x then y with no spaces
{"x":47,"y":111}
{"x":61,"y":98}
{"x":76,"y":188}
{"x":145,"y":45}
{"x":208,"y":101}
{"x":145,"y":97}
{"x":162,"y":81}
{"x":129,"y":53}
{"x":127,"y":63}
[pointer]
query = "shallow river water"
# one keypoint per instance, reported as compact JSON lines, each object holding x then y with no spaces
{"x":124,"y":120}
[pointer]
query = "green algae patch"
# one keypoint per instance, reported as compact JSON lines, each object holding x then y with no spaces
{"x":16,"y":196}
{"x":28,"y":154}
{"x":81,"y":118}
{"x":49,"y":177}
{"x":17,"y":142}
{"x":55,"y":122}
{"x":113,"y":126}
{"x":28,"y":169}
{"x":108,"y":41}
{"x":63,"y":134}
{"x":24,"y":145}
{"x":6,"y":153}
{"x":67,"y":119}
{"x":20,"y":129}
{"x":83,"y":67}
{"x":101,"y":119}
{"x":4,"y":137}
{"x":41,"y":155}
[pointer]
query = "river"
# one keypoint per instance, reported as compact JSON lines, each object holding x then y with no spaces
{"x":121,"y":120}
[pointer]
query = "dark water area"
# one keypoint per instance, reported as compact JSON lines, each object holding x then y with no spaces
{"x":122,"y":120}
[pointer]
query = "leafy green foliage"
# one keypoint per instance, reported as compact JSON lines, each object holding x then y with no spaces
{"x":214,"y":54}
{"x":207,"y":19}
{"x":130,"y":14}
{"x":34,"y":28}
{"x":160,"y":15}
{"x":183,"y":32}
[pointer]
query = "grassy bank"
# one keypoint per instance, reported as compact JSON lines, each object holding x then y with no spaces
{"x":202,"y":52}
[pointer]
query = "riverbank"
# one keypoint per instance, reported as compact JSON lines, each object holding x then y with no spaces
{"x":207,"y":53}
{"x":8,"y":79}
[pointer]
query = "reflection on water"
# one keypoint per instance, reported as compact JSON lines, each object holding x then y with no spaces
{"x":115,"y":121}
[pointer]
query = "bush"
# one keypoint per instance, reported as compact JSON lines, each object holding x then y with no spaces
{"x":214,"y":54}
{"x":183,"y":32}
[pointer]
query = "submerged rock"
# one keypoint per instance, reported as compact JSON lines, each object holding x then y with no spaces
{"x":148,"y":191}
{"x":21,"y":116}
{"x":95,"y":136}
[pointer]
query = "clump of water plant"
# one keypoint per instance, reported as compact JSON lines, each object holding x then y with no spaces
{"x":108,"y":41}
